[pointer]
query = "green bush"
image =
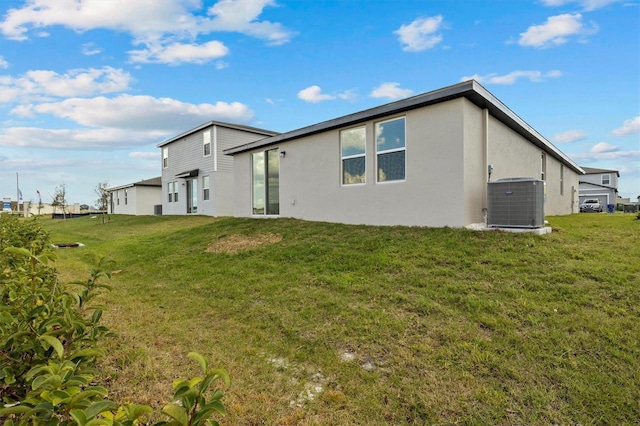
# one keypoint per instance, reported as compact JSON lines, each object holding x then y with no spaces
{"x":49,"y":344}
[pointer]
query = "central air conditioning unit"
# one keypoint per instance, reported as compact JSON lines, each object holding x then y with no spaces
{"x":516,"y":203}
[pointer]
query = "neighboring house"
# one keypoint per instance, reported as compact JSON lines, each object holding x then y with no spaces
{"x":139,"y":198}
{"x":31,"y":208}
{"x":196,"y":177}
{"x":421,"y":161}
{"x":599,"y":183}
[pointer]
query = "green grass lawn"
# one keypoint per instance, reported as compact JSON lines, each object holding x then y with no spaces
{"x":334,"y":324}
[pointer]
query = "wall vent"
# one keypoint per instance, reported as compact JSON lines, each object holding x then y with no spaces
{"x":516,"y":203}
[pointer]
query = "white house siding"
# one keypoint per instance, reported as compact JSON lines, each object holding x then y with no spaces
{"x":140,"y":200}
{"x":122,"y":204}
{"x":596,"y":178}
{"x":146,"y":198}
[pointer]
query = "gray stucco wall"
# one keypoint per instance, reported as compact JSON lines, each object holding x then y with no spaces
{"x":431,"y":195}
{"x":513,"y":156}
{"x":448,"y":147}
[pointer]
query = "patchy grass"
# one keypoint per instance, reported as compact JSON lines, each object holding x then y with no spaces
{"x":333,"y":324}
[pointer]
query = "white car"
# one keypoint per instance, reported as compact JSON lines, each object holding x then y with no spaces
{"x":591,"y":205}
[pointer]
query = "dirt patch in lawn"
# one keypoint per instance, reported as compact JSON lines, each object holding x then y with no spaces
{"x":236,"y":242}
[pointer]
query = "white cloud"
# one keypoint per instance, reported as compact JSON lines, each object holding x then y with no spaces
{"x":91,"y":49}
{"x":139,"y":112}
{"x":145,"y":155}
{"x":176,"y":53}
{"x":556,"y":31}
{"x":629,"y":127}
{"x":587,"y":5}
{"x":513,"y":76}
{"x":602,"y":147}
{"x":314,"y":94}
{"x":241,"y":16}
{"x":3,"y":63}
{"x":146,"y":20}
{"x":390,"y":90}
{"x":80,"y":82}
{"x":595,"y":154}
{"x":220,"y":65}
{"x":421,"y":34}
{"x":78,"y":139}
{"x":569,"y":136}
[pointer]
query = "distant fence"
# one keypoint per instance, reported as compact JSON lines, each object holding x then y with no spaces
{"x":72,"y":215}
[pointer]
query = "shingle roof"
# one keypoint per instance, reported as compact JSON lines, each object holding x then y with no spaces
{"x":156,"y":181}
{"x":593,"y":170}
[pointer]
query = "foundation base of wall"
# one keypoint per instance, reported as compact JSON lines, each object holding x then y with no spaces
{"x":482,"y":227}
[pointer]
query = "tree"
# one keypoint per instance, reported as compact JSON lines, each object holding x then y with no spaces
{"x":103,"y":197}
{"x":60,"y":199}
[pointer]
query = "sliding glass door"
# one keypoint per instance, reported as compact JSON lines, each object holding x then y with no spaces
{"x":266,"y":182}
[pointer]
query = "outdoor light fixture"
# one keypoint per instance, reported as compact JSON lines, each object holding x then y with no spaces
{"x":282,"y":154}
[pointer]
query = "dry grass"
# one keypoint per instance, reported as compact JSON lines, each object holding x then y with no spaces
{"x":235,"y":243}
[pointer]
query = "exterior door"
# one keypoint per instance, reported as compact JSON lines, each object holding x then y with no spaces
{"x":192,"y":196}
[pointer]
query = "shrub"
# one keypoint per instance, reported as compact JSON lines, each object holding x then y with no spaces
{"x":49,"y":336}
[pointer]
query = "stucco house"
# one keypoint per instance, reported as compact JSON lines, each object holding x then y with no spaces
{"x":422,"y":161}
{"x":138,"y":198}
{"x":599,"y":183}
{"x":197,"y":178}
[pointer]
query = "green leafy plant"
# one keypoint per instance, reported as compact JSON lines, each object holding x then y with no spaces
{"x":49,"y":345}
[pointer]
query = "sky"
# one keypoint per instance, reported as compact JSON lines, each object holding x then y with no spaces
{"x":88,"y":88}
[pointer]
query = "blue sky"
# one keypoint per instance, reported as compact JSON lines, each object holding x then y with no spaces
{"x":88,"y":88}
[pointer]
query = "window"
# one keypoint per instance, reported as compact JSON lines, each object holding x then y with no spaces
{"x":266,"y":182}
{"x":390,"y":150}
{"x":352,"y":145}
{"x":170,"y":191}
{"x":562,"y":179}
{"x":205,"y":188}
{"x":543,"y":166}
{"x":165,"y":157}
{"x":206,"y":143}
{"x":117,"y":198}
{"x":175,"y":191}
{"x":125,"y":197}
{"x":606,"y":179}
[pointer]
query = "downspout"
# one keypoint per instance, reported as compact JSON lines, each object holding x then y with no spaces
{"x":487,"y":168}
{"x":214,"y":147}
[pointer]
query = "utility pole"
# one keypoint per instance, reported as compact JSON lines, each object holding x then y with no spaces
{"x":17,"y":194}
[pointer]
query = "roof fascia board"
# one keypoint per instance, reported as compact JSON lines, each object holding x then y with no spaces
{"x":266,"y":133}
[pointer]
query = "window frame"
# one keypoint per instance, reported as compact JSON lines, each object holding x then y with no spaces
{"x":169,"y":192}
{"x":126,"y":197}
{"x":175,"y":191}
{"x":344,"y":158}
{"x":206,"y":143}
{"x":602,"y":179}
{"x":206,"y":192}
{"x":379,"y":153}
{"x":165,"y":157}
